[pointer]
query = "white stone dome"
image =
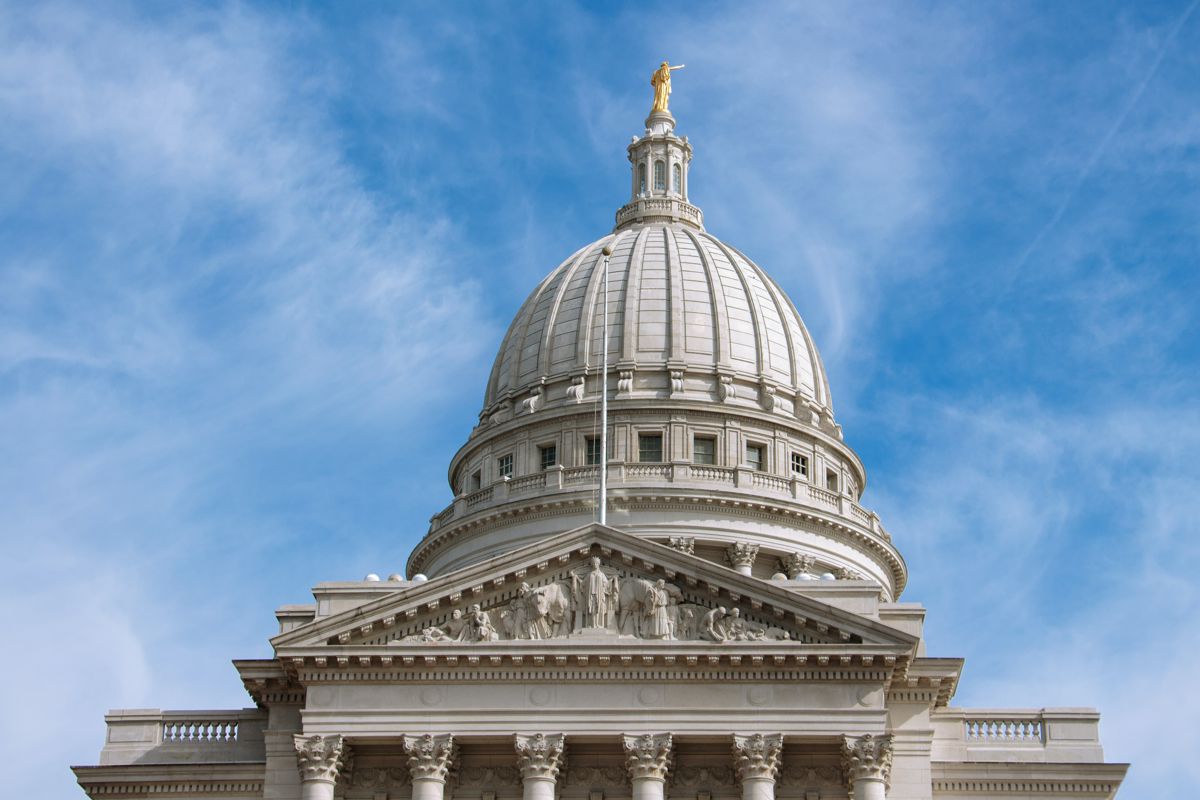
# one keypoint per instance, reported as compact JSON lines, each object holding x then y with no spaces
{"x":681,"y":301}
{"x":720,"y":430}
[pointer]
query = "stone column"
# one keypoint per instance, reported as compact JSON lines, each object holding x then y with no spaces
{"x":741,"y":556}
{"x":756,"y":760}
{"x":539,"y":758}
{"x":867,"y":761}
{"x":430,"y":760}
{"x":319,"y":759}
{"x":648,"y":758}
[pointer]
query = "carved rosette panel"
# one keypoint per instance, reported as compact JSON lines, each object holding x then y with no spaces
{"x":757,"y":756}
{"x":867,"y":757}
{"x":539,"y":755}
{"x":648,"y":755}
{"x":319,"y":758}
{"x":430,"y":757}
{"x":742,"y":554}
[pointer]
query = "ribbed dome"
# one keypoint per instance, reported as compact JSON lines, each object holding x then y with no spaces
{"x":680,"y":301}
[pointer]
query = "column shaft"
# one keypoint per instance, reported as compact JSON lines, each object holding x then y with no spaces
{"x":758,"y":789}
{"x":648,"y":788}
{"x":427,"y":788}
{"x":316,"y":790}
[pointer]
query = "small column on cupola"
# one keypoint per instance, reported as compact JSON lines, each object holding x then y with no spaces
{"x":659,"y":162}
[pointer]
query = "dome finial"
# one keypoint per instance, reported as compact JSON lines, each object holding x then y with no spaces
{"x":661,"y":81}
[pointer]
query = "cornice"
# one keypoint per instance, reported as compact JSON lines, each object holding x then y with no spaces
{"x":232,"y":779}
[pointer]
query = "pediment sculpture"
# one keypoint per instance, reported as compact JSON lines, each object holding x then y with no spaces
{"x":597,"y":600}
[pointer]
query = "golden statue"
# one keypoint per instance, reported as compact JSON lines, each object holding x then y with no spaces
{"x":661,"y":81}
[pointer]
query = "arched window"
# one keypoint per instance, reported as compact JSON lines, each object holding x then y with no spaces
{"x":677,"y":179}
{"x":641,"y":178}
{"x":660,"y":176}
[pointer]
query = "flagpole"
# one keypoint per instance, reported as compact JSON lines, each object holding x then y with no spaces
{"x":603,"y":465}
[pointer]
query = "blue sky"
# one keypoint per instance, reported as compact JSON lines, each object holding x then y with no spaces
{"x":256,"y":260}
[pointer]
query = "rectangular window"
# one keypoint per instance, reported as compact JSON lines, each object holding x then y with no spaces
{"x":650,"y":447}
{"x":593,"y":450}
{"x":476,"y":481}
{"x":504,"y":466}
{"x":800,"y":465}
{"x":754,"y":456}
{"x":831,"y":480}
{"x":704,"y":450}
{"x":549,"y":455}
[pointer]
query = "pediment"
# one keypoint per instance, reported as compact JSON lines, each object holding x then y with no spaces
{"x":594,"y":585}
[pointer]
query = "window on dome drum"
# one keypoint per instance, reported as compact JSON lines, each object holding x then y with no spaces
{"x":831,"y":480}
{"x":650,"y":447}
{"x":549,"y":455}
{"x":704,"y":450}
{"x":677,"y":179}
{"x":660,"y":176}
{"x":754,"y":456}
{"x":593,"y":450}
{"x":504,"y":466}
{"x":800,"y":465}
{"x":641,"y":178}
{"x":476,"y":481}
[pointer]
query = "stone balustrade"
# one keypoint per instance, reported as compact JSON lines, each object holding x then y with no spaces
{"x":151,"y":736}
{"x":699,"y":476}
{"x":1039,"y":735}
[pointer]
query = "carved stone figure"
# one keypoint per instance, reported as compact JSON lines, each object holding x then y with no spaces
{"x":540,"y":613}
{"x":640,"y":601}
{"x":660,"y":623}
{"x":479,"y":626}
{"x":712,"y":627}
{"x":594,"y":593}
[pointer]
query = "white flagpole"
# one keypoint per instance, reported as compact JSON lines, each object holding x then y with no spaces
{"x":603,"y":465}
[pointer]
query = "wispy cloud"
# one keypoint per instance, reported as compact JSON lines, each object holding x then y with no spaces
{"x":200,"y":282}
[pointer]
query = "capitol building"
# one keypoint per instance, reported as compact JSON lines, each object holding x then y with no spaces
{"x":721,"y":619}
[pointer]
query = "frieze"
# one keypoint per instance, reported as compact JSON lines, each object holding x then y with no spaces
{"x":596,"y":776}
{"x":703,"y":777}
{"x":596,"y":599}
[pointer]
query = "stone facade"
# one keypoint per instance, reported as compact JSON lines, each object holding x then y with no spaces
{"x":735,"y":633}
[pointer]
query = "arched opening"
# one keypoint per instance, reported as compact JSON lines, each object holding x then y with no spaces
{"x":677,"y":179}
{"x":660,"y":176}
{"x":641,"y":178}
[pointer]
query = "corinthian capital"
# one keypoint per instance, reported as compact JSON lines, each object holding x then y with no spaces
{"x":539,"y":755}
{"x":742,"y":554}
{"x":796,"y":564}
{"x":319,"y":757}
{"x":430,"y":757}
{"x":648,"y":755}
{"x":867,"y":758}
{"x":757,"y":756}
